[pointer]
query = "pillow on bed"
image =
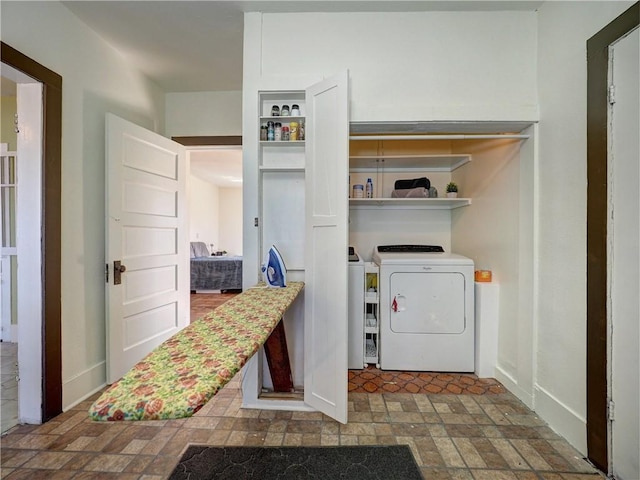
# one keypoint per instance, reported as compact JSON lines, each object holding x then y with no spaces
{"x":199,"y":249}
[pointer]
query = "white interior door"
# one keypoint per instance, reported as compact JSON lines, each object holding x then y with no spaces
{"x":146,"y":229}
{"x":624,"y":261}
{"x":326,"y":239}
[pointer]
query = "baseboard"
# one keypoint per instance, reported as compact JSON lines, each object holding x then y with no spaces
{"x":279,"y":404}
{"x":562,"y":419}
{"x":512,"y":385}
{"x":30,"y":420}
{"x":83,"y":385}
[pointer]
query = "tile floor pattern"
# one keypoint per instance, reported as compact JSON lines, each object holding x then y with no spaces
{"x":453,"y":435}
{"x":372,"y":380}
{"x":8,"y":385}
{"x":461,"y":437}
{"x":203,"y":303}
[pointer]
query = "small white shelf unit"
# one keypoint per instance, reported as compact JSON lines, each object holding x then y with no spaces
{"x":371,"y":317}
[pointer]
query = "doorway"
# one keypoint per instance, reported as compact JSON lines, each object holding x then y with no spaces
{"x":599,"y":411}
{"x":45,"y":386}
{"x":216,"y":184}
{"x":216,"y":198}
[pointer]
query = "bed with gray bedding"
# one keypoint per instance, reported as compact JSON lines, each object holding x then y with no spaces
{"x":210,"y":272}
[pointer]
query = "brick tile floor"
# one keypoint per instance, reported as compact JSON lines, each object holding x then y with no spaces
{"x":458,"y":427}
{"x":452,"y":437}
{"x":374,"y":380}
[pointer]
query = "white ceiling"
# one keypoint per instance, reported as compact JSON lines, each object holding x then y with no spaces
{"x":220,"y":166}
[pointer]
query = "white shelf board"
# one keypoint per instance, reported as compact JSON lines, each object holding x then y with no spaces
{"x":390,"y":163}
{"x":281,"y":169}
{"x":281,"y":119}
{"x":281,"y":143}
{"x":414,"y":203}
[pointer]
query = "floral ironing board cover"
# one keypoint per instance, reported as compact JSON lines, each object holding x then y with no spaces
{"x":180,"y":376}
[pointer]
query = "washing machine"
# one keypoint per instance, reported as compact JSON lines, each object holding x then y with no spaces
{"x":426,"y":309}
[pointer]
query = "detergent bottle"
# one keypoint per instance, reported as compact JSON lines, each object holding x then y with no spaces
{"x":369,"y":188}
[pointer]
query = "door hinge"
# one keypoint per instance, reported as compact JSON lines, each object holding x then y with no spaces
{"x":256,"y":222}
{"x":106,"y":272}
{"x":612,"y":94}
{"x":610,"y":411}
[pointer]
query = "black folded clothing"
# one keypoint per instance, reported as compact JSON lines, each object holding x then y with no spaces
{"x":413,"y":183}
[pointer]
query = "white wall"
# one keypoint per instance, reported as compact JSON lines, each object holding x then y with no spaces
{"x":204,"y":113}
{"x":230,"y":217}
{"x":215,"y":216}
{"x":96,"y":80}
{"x":564,"y":28}
{"x":204,"y":219}
{"x":8,"y":110}
{"x":413,"y":66}
{"x":496,"y":231}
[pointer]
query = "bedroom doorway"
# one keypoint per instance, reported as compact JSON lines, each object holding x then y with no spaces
{"x":215,"y":219}
{"x":216,"y":198}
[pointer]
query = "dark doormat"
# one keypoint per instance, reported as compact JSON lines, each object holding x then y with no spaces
{"x":285,"y":463}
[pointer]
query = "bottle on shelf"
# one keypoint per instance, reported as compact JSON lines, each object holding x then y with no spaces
{"x":270,"y":131}
{"x":369,"y":188}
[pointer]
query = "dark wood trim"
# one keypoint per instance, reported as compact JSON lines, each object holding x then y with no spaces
{"x":597,"y":117}
{"x":51,"y":233}
{"x":277,"y":353}
{"x":217,"y":140}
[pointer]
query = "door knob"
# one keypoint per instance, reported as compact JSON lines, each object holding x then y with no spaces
{"x":118,"y":270}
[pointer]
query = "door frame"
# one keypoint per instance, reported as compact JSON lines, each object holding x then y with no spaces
{"x":50,"y":225}
{"x":597,"y":204}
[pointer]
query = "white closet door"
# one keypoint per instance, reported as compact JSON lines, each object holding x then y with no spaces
{"x":326,"y":239}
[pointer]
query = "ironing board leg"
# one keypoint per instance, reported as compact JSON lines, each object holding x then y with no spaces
{"x":278,"y":359}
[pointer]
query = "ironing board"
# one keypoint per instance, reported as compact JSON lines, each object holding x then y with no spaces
{"x":180,"y":376}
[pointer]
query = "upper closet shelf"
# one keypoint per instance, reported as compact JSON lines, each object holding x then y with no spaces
{"x":410,"y":203}
{"x":390,"y":163}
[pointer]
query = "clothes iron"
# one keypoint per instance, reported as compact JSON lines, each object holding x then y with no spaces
{"x":275,"y":273}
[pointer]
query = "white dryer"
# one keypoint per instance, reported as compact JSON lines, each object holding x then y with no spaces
{"x":426,"y":309}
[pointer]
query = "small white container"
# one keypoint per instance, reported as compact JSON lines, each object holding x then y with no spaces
{"x":358,"y":191}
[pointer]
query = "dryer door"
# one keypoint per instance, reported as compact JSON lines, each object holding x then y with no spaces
{"x":427,"y":302}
